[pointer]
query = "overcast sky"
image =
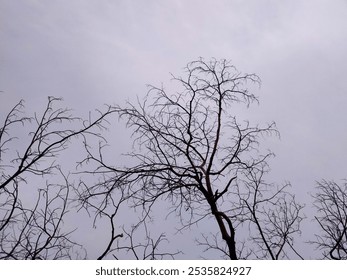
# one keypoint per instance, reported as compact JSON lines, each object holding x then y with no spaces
{"x":96,"y":52}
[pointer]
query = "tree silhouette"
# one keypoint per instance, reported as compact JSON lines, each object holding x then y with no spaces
{"x":331,"y":209}
{"x":29,"y":151}
{"x":191,"y":150}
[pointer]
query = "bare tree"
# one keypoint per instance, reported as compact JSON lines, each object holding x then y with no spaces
{"x":190,"y":149}
{"x":33,"y":206}
{"x":331,"y":208}
{"x":35,"y":232}
{"x":272,"y":214}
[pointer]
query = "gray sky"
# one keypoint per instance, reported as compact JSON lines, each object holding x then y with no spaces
{"x":107,"y":51}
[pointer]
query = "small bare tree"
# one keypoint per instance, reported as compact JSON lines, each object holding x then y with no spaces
{"x":31,"y":212}
{"x":272,"y":215}
{"x":36,"y":231}
{"x":331,"y":208}
{"x":194,"y":152}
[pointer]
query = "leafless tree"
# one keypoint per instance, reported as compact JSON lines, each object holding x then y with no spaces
{"x":272,"y":214}
{"x":35,"y":232}
{"x":331,"y":215}
{"x":191,"y":149}
{"x":33,"y":206}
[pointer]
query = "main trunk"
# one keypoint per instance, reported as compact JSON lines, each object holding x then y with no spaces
{"x":227,"y":231}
